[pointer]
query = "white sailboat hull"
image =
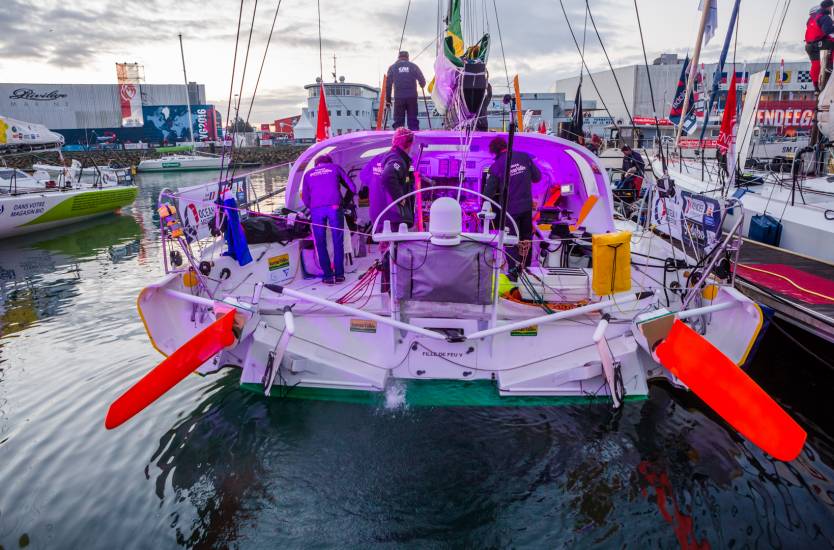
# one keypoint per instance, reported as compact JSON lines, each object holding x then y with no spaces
{"x":181,"y":163}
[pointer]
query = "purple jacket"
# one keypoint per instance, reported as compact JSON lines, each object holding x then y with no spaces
{"x":321,"y":185}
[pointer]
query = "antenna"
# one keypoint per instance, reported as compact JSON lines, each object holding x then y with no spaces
{"x":334,"y":66}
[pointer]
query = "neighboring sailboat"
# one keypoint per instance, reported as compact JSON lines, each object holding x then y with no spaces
{"x":175,"y":159}
{"x":784,"y":210}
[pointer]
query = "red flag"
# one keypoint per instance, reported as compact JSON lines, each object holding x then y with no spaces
{"x":323,"y":124}
{"x":542,"y":128}
{"x":725,"y":137}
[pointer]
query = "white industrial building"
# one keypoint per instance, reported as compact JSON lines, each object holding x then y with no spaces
{"x":353,"y":107}
{"x":793,"y":91}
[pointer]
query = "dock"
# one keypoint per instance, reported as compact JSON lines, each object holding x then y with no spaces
{"x":799,"y":289}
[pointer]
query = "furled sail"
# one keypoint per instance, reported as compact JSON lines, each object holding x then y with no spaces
{"x":454,"y":65}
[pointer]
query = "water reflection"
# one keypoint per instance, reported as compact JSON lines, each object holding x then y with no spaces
{"x":311,"y":473}
{"x":38,"y":272}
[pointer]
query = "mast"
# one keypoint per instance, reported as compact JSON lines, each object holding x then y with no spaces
{"x":187,"y":95}
{"x":693,"y":68}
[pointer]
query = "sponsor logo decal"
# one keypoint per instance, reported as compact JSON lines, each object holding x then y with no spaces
{"x":279,"y":262}
{"x":526,"y":331}
{"x":31,"y":95}
{"x":363,"y":325}
{"x":28,"y":209}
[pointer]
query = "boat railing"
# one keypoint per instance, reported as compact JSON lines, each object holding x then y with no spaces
{"x":731,"y":243}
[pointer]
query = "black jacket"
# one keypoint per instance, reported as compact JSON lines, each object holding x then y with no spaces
{"x":394,"y":182}
{"x":404,"y":76}
{"x":523,"y":173}
{"x":634,"y":160}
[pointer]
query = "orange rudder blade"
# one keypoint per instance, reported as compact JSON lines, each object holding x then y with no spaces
{"x":199,"y":349}
{"x":732,"y":394}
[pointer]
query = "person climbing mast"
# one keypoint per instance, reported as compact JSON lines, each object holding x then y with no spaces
{"x":819,"y":35}
{"x":404,"y":76}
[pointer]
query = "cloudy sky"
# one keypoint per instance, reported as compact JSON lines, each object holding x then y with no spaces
{"x":79,"y":41}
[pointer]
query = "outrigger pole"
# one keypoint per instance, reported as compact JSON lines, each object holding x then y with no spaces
{"x":693,"y":68}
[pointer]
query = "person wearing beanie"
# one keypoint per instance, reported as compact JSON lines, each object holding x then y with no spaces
{"x":819,"y":35}
{"x":390,"y":181}
{"x":403,"y":77}
{"x":523,"y":173}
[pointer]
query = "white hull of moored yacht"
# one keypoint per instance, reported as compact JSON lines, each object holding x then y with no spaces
{"x":806,"y":228}
{"x":182,"y":163}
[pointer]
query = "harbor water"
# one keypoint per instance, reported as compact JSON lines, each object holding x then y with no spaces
{"x":213,"y":466}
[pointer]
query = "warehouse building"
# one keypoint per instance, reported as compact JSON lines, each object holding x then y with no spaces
{"x":86,"y":114}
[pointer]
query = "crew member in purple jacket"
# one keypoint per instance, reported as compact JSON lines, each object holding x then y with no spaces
{"x":321,"y":193}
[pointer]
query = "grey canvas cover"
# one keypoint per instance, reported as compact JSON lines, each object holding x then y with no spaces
{"x":430,"y":273}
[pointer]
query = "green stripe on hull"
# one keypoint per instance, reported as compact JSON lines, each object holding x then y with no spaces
{"x":88,"y":204}
{"x":434,"y":393}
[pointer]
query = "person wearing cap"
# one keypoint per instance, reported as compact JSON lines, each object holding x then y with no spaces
{"x":523,"y":173}
{"x":819,"y":31}
{"x":403,"y":77}
{"x":321,"y":193}
{"x":634,"y":167}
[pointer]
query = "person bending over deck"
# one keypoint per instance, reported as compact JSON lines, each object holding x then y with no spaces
{"x":633,"y":169}
{"x":523,"y":173}
{"x":404,"y":76}
{"x":321,"y":193}
{"x":818,"y":36}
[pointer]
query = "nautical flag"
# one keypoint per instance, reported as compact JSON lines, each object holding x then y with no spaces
{"x":675,"y":115}
{"x":323,"y":120}
{"x":712,"y":20}
{"x":448,"y":62}
{"x":781,"y":80}
{"x":726,"y":137}
{"x":574,"y":130}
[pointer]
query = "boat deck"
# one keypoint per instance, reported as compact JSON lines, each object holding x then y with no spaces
{"x":800,"y":289}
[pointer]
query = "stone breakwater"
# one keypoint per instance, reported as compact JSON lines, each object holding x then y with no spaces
{"x":244,"y":156}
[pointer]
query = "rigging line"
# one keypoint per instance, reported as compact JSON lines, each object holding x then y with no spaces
{"x":584,"y":64}
{"x":402,"y":36}
{"x":234,"y":63}
{"x":610,"y":65}
{"x":321,"y":61}
{"x":263,"y":61}
{"x":230,"y":169}
{"x":769,"y":61}
{"x":501,"y":42}
{"x":584,"y":39}
{"x":651,"y":87}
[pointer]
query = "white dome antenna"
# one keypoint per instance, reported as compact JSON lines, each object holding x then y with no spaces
{"x":445,"y":222}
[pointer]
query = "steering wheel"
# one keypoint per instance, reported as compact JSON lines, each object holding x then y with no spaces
{"x":435,"y":187}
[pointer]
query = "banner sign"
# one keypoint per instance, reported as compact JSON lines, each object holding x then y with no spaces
{"x":697,"y":144}
{"x":169,"y":123}
{"x":692,"y":219}
{"x":130,"y":95}
{"x":649,"y":121}
{"x":786,"y":113}
{"x":197,"y":205}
